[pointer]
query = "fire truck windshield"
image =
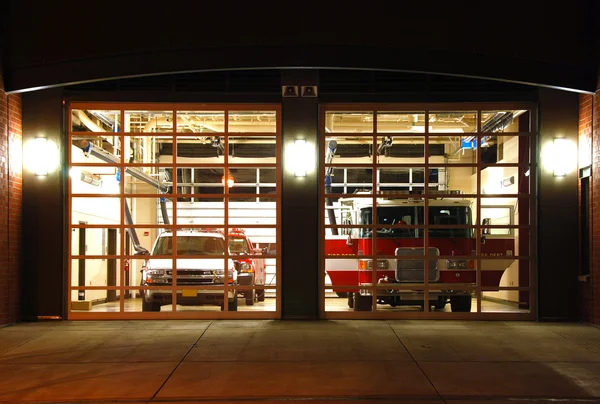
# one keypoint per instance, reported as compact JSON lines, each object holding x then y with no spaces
{"x":399,"y":216}
{"x":238,"y":245}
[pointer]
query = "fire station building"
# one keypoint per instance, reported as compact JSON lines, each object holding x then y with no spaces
{"x":253,"y":162}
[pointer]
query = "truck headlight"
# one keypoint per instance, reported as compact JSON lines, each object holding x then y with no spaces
{"x":368,"y":264}
{"x":155,"y":276}
{"x":245,"y":267}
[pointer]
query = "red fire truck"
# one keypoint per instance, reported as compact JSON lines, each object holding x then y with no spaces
{"x":252,"y":268}
{"x":402,"y":229}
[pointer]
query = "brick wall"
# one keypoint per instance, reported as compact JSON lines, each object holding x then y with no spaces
{"x":11,"y":197}
{"x":589,"y":130}
{"x":595,"y":214}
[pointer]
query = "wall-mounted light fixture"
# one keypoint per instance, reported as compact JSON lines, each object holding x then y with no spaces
{"x":41,"y":156}
{"x":85,"y":176}
{"x":560,"y":157}
{"x":507,"y":182}
{"x":300,"y":158}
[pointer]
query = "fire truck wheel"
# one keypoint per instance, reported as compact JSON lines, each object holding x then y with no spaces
{"x":150,"y":306}
{"x":440,"y":303}
{"x":460,"y":303}
{"x":260,"y":295}
{"x":351,"y":300}
{"x":341,"y":294}
{"x":362,"y":303}
{"x":249,"y":296}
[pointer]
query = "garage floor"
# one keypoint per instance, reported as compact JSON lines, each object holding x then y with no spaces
{"x":425,"y":362}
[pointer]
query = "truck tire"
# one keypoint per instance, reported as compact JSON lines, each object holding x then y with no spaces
{"x":362,"y":303}
{"x":150,"y":306}
{"x":440,"y":303}
{"x":460,"y":304}
{"x":351,"y":300}
{"x":249,"y":295}
{"x":232,"y":306}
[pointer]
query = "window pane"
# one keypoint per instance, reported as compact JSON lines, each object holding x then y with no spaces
{"x":348,"y":122}
{"x":507,"y":121}
{"x":200,"y":121}
{"x":400,"y":122}
{"x":148,"y":121}
{"x":452,"y":122}
{"x":86,"y":120}
{"x":252,"y":122}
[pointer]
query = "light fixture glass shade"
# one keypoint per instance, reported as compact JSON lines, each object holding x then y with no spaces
{"x":41,"y":156}
{"x":299,"y":158}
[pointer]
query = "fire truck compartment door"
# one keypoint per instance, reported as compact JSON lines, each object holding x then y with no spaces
{"x":412,"y":269}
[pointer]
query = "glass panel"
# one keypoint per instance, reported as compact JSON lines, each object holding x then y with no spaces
{"x":339,"y":298}
{"x":88,"y":120}
{"x":205,"y":211}
{"x":348,"y":180}
{"x":200,"y":121}
{"x":501,"y":211}
{"x":91,"y":149}
{"x":148,"y":149}
{"x":146,"y":180}
{"x":503,"y":149}
{"x":405,"y":179}
{"x":252,"y":121}
{"x":346,"y":149}
{"x":148,"y":121}
{"x":401,"y":150}
{"x":94,"y":180}
{"x":509,"y":149}
{"x":349,"y":122}
{"x":200,"y":181}
{"x":252,"y":149}
{"x":393,"y":298}
{"x":252,"y":299}
{"x":452,"y":122}
{"x":400,"y":122}
{"x":200,"y":150}
{"x":149,"y":211}
{"x":94,"y":272}
{"x":506,"y":300}
{"x":95,"y":241}
{"x":247,"y":180}
{"x":95,"y":210}
{"x":506,"y":121}
{"x":242,"y":212}
{"x":452,"y":150}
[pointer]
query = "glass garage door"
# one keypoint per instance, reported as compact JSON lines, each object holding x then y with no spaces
{"x":427,"y":211}
{"x":173,"y":211}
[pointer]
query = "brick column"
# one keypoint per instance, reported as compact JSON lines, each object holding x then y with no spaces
{"x":11,"y":198}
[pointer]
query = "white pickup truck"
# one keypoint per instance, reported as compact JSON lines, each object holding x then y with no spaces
{"x":196,"y":271}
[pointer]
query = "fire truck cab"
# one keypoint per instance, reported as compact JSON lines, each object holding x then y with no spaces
{"x":252,"y":268}
{"x":412,"y":246}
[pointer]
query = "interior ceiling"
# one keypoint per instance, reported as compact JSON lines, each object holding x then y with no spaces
{"x":347,"y":128}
